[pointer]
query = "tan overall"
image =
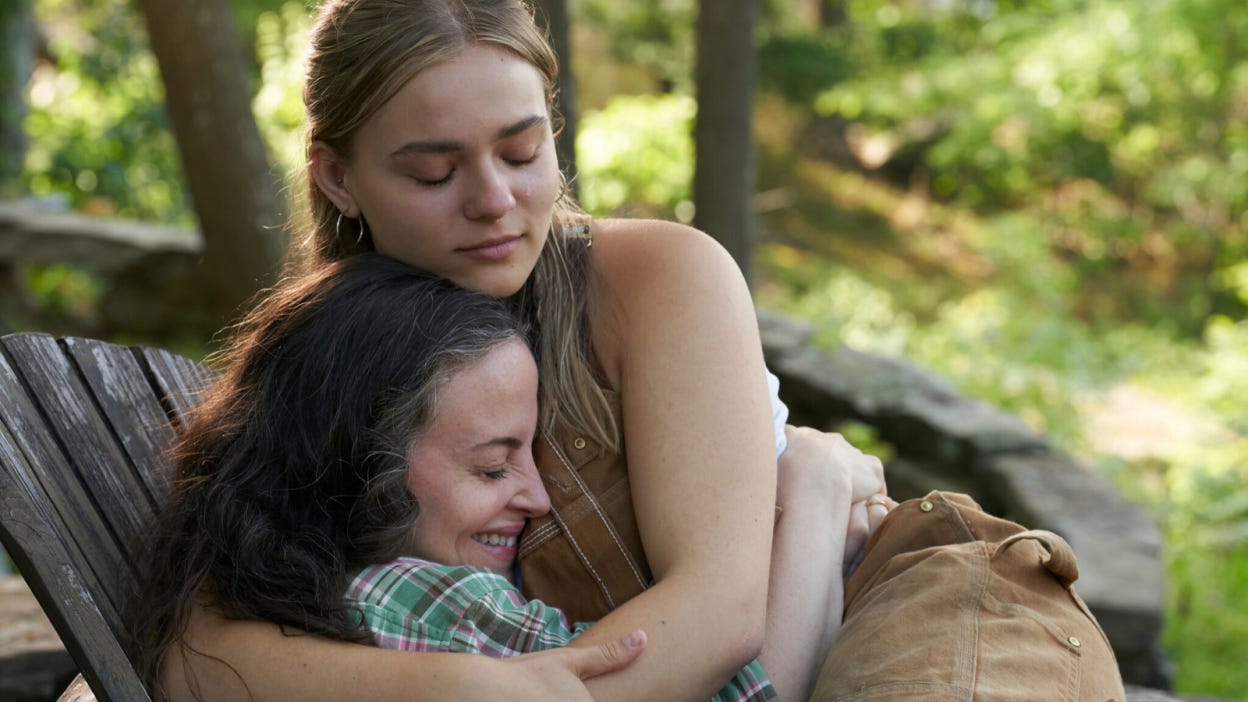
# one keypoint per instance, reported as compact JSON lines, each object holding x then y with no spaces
{"x":585,"y":557}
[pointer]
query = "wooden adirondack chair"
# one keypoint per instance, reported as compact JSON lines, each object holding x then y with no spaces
{"x":83,"y":427}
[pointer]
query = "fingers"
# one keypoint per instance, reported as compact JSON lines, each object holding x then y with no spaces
{"x":811,"y":454}
{"x":864,"y":519}
{"x":868,"y":474}
{"x":877,"y":507}
{"x":856,"y":536}
{"x":592,"y":661}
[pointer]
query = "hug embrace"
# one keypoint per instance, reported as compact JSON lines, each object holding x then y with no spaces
{"x":472,"y":420}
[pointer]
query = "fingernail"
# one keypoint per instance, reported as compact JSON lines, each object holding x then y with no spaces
{"x":635,"y":639}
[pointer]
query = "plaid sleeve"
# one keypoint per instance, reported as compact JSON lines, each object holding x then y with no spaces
{"x":415,"y":605}
{"x":502,"y":623}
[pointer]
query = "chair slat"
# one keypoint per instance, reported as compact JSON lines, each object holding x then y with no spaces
{"x":178,"y":380}
{"x":64,"y":499}
{"x":29,"y":533}
{"x":124,"y":394}
{"x":83,"y":432}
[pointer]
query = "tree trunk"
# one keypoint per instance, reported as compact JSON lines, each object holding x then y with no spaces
{"x":832,"y":13}
{"x":724,"y":175}
{"x":235,"y":193}
{"x":555,"y":13}
{"x":17,"y":53}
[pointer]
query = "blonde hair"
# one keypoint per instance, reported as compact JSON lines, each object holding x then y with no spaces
{"x":362,"y":53}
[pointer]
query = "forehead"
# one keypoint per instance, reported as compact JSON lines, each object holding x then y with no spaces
{"x":481,"y":89}
{"x":492,"y":391}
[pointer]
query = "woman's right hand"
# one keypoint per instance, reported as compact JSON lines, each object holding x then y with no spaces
{"x":831,"y":451}
{"x":558,"y":674}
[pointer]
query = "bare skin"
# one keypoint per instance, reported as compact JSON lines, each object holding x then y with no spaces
{"x":819,"y":532}
{"x":294,"y":665}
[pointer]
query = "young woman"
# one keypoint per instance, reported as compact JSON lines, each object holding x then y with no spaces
{"x":373,"y":436}
{"x":430,"y":141}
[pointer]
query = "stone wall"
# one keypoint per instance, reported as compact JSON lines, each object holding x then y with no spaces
{"x":944,"y":440}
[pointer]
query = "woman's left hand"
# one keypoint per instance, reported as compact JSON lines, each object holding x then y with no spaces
{"x":864,"y":518}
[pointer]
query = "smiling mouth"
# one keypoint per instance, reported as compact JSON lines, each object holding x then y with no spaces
{"x":497,"y":540}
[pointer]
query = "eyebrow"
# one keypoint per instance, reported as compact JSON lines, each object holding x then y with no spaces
{"x":412,"y":148}
{"x":507,"y":441}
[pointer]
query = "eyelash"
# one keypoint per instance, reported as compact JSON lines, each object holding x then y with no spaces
{"x":435,"y":183}
{"x":522,"y":161}
{"x":447,"y":178}
{"x":495,"y":474}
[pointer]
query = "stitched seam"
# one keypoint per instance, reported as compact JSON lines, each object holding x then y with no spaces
{"x":968,"y":665}
{"x":544,"y":529}
{"x":537,"y":537}
{"x":597,"y":510}
{"x":602,"y":585}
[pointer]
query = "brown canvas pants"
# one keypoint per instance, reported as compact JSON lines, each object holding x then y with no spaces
{"x":951,"y":603}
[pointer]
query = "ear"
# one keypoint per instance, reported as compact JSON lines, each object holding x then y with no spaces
{"x":329,"y":173}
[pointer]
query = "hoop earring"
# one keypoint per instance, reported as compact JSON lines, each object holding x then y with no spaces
{"x":338,"y":227}
{"x":359,"y":240}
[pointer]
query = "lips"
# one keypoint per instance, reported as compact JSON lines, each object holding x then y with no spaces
{"x":495,"y":249}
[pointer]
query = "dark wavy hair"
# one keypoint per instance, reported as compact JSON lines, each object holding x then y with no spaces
{"x":292,"y":469}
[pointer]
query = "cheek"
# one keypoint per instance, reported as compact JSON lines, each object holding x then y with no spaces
{"x":541,"y":188}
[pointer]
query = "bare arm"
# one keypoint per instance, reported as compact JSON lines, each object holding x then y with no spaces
{"x":822,"y":484}
{"x":676,"y":332}
{"x":278,"y":667}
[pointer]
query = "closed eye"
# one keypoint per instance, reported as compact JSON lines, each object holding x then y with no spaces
{"x":435,"y":182}
{"x":522,"y":161}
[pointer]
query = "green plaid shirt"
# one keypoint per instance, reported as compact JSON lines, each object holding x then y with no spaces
{"x":414,"y":605}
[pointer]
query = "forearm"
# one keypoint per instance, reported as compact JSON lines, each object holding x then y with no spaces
{"x":804,"y":602}
{"x":691,"y":651}
{"x":254,"y":660}
{"x":242,"y":659}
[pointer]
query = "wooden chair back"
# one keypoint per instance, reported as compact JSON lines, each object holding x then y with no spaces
{"x":83,"y":429}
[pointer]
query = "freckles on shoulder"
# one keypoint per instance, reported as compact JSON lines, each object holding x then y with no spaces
{"x":640,"y":251}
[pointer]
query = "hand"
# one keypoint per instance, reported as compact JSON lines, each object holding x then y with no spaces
{"x":826,"y":448}
{"x":864,"y":518}
{"x":558,"y":674}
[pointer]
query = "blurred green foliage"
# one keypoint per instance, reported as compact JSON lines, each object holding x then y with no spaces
{"x":98,"y":133}
{"x":1042,"y":200}
{"x":1123,"y":125}
{"x":638,"y":150}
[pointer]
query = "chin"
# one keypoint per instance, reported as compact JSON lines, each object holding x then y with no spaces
{"x":496,"y":285}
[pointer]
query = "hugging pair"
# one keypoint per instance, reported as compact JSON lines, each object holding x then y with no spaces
{"x":363,"y":469}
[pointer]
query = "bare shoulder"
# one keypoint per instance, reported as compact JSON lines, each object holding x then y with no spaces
{"x":638,"y":253}
{"x":652,"y":279}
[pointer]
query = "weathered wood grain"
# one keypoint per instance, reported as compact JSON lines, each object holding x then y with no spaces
{"x":84,"y":426}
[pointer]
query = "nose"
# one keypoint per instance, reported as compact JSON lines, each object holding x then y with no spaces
{"x":530,"y":498}
{"x":491,"y":198}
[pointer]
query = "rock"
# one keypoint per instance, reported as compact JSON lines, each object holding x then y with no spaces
{"x":34,"y":666}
